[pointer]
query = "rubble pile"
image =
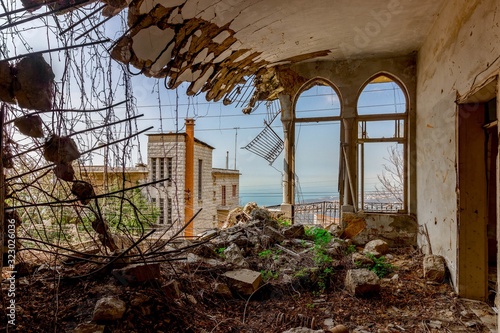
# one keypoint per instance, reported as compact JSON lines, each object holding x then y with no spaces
{"x":259,"y":275}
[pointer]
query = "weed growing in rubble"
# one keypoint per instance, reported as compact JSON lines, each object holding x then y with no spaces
{"x":270,"y":252}
{"x":266,"y":253}
{"x":350,"y":249}
{"x":220,"y":251}
{"x":321,"y":239}
{"x":268,"y":275}
{"x":381,"y":267}
{"x":320,"y":236}
{"x":283,"y":222}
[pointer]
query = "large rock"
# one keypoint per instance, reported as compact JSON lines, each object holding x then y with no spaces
{"x":377,"y":247}
{"x":244,"y":281}
{"x":234,"y":256}
{"x":434,"y":268}
{"x":137,"y":273}
{"x":362,"y":282}
{"x":108,"y":309}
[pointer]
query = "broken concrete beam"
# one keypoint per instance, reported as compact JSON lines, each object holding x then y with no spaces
{"x":362,"y":282}
{"x":244,"y":281}
{"x":137,"y":273}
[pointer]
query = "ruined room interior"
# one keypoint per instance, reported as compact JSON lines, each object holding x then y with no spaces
{"x":66,"y":72}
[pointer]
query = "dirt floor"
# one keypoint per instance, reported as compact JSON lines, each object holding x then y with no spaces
{"x":49,"y":299}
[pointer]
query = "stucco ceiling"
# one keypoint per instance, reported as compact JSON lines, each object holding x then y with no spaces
{"x":216,"y":45}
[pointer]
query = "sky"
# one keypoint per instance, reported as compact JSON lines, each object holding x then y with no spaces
{"x":224,"y":127}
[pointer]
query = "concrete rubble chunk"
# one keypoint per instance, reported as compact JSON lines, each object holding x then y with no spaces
{"x":362,"y":282}
{"x":274,"y":234}
{"x":222,"y":289}
{"x":360,"y":260}
{"x":89,"y":328}
{"x":260,"y":214}
{"x":108,"y":309}
{"x":137,"y":273}
{"x":294,"y":231}
{"x":434,"y":268}
{"x":234,"y":256}
{"x":244,"y":281}
{"x":377,"y":247}
{"x":249,"y":207}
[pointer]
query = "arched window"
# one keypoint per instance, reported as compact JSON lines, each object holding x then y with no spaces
{"x":317,"y":100}
{"x":382,"y":146}
{"x":317,"y":144}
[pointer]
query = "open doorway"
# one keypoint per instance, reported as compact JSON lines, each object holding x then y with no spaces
{"x":477,"y":132}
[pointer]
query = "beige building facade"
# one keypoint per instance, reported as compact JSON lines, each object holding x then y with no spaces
{"x":179,"y":192}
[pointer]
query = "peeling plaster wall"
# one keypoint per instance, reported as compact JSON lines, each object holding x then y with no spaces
{"x":455,"y":56}
{"x":397,"y":230}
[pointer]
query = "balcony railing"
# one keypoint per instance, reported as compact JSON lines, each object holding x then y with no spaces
{"x":328,"y":212}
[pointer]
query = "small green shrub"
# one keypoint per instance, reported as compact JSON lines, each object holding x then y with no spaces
{"x":381,"y":267}
{"x":268,"y":274}
{"x":320,"y":236}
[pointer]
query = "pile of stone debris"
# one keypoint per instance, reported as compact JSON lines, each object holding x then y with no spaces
{"x":256,"y":251}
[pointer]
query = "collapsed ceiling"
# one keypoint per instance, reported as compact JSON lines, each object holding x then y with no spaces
{"x":217,"y":46}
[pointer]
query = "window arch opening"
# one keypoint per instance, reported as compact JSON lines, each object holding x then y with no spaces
{"x":382,"y":146}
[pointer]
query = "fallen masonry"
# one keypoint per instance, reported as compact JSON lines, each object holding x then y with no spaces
{"x":258,"y":275}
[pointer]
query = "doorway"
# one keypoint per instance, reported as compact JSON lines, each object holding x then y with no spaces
{"x":477,"y":200}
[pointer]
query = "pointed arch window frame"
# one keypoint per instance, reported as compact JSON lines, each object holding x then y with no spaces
{"x":400,"y":137}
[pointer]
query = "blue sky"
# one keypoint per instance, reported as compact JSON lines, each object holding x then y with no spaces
{"x":317,"y":144}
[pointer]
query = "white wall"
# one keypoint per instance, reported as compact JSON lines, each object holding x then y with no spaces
{"x":463,"y":42}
